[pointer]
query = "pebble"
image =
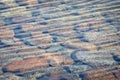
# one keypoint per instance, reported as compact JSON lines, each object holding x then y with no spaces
{"x":81,"y":36}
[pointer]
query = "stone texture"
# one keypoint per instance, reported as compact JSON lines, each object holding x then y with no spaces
{"x":94,"y":58}
{"x":36,"y":63}
{"x":116,"y":73}
{"x":26,"y":65}
{"x":78,"y":44}
{"x":82,"y":36}
{"x":42,"y":40}
{"x":6,"y":33}
{"x":99,"y":75}
{"x":59,"y":60}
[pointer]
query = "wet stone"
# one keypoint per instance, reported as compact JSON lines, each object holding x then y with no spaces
{"x":59,"y":40}
{"x":26,"y":64}
{"x":117,"y":74}
{"x":99,"y":75}
{"x":42,"y":40}
{"x":37,"y":63}
{"x":78,"y":44}
{"x":6,"y":33}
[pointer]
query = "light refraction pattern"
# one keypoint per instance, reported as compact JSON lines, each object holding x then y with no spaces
{"x":59,"y":39}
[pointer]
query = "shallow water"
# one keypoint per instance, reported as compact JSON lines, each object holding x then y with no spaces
{"x":59,"y":40}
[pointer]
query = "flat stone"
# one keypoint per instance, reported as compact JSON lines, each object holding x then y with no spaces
{"x":78,"y":44}
{"x":37,"y":63}
{"x":96,"y":58}
{"x":6,"y":33}
{"x":58,"y":59}
{"x":26,"y":65}
{"x":42,"y":40}
{"x":99,"y":75}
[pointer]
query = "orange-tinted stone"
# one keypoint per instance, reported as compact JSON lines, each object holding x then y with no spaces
{"x":58,"y":59}
{"x":36,"y":63}
{"x":78,"y":44}
{"x":57,"y":74}
{"x":6,"y":33}
{"x":30,"y":2}
{"x":99,"y":75}
{"x":27,"y":65}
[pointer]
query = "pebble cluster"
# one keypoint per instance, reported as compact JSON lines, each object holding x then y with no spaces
{"x":59,"y":40}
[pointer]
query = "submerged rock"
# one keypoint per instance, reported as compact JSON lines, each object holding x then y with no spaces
{"x":37,"y":63}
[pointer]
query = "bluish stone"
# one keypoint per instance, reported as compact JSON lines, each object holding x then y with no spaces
{"x":45,"y":32}
{"x":21,"y":3}
{"x":75,"y":14}
{"x":40,"y":1}
{"x":42,"y":79}
{"x":116,"y":58}
{"x":3,"y":6}
{"x":35,"y":13}
{"x":75,"y":7}
{"x":9,"y":20}
{"x":2,"y":44}
{"x":43,"y":23}
{"x":20,"y":34}
{"x":67,"y":69}
{"x":62,"y":2}
{"x":46,"y":18}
